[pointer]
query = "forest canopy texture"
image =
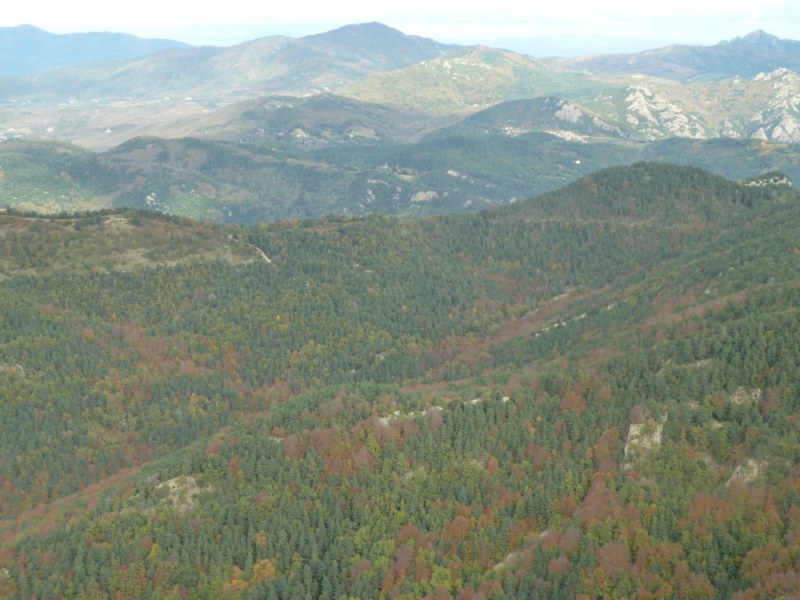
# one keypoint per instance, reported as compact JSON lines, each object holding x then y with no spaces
{"x":591,"y":394}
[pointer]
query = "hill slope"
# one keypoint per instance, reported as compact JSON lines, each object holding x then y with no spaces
{"x":375,"y":43}
{"x":487,"y":160}
{"x":470,"y":79}
{"x":593,"y":392}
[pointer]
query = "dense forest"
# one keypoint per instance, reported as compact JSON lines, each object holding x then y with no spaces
{"x":590,"y":394}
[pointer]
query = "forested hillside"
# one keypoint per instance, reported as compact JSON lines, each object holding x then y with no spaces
{"x":590,"y":394}
{"x":455,"y":169}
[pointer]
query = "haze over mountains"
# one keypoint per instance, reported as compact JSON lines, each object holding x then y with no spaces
{"x":270,"y":64}
{"x":388,"y":122}
{"x":744,"y":56}
{"x":27,"y":49}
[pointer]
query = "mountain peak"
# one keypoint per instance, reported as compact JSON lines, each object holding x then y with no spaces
{"x":378,"y":42}
{"x":758,"y":38}
{"x":24,"y":27}
{"x":744,"y":56}
{"x":372,"y":34}
{"x":370,"y":31}
{"x":371,"y":27}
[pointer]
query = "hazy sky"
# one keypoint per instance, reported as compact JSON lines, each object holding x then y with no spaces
{"x":613,"y":24}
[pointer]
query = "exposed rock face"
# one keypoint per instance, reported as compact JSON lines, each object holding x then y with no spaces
{"x":787,"y":130}
{"x":778,"y":122}
{"x":12,"y":369}
{"x":770,"y":181}
{"x":570,"y":113}
{"x":183,"y":492}
{"x":743,"y":395}
{"x":656,"y":117}
{"x":643,"y":437}
{"x":424,"y":196}
{"x":748,"y":471}
{"x":567,"y":135}
{"x":600,"y":124}
{"x":398,"y":415}
{"x":780,"y":73}
{"x":728,"y":130}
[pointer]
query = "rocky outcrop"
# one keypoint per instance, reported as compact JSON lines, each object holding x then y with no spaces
{"x":748,"y":471}
{"x":600,"y":124}
{"x":656,"y":117}
{"x":769,"y":181}
{"x":424,"y":196}
{"x":643,"y":437}
{"x":570,"y":113}
{"x":743,"y":395}
{"x":11,"y":369}
{"x":182,"y":492}
{"x":779,"y":121}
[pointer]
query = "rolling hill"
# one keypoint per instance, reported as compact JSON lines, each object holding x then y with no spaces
{"x":465,"y":81}
{"x":487,"y":160}
{"x":312,"y":122}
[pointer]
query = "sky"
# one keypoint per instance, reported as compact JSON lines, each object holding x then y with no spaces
{"x":574,"y":27}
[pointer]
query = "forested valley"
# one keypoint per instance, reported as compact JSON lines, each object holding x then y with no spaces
{"x":590,"y":394}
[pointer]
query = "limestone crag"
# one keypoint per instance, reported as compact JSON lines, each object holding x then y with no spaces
{"x":655,"y":117}
{"x":778,"y":121}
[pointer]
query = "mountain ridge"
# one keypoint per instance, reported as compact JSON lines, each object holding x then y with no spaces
{"x":299,"y":65}
{"x":333,"y":131}
{"x":106,"y":104}
{"x":447,"y":171}
{"x":745,"y":56}
{"x":26,"y":48}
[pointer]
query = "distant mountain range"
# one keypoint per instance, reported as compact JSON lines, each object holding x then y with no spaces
{"x":746,"y":56}
{"x":366,"y":119}
{"x":275,"y":64}
{"x":27,"y":49}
